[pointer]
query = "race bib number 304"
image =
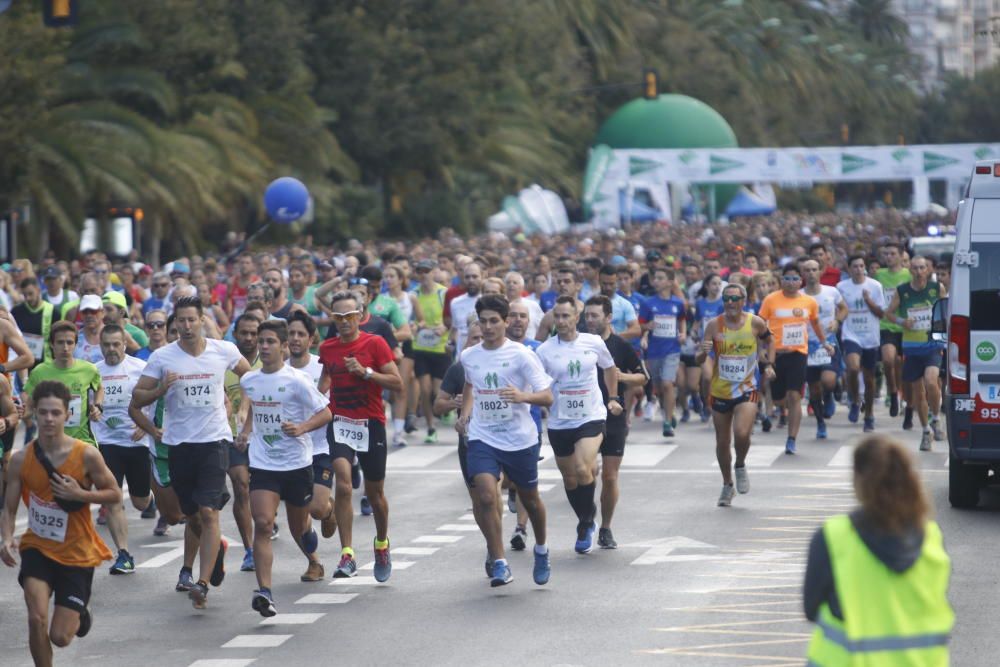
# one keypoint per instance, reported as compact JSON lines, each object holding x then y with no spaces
{"x":573,"y":403}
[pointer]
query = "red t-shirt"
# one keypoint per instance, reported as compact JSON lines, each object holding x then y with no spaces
{"x":352,"y":396}
{"x":830,"y":276}
{"x":449,"y":294}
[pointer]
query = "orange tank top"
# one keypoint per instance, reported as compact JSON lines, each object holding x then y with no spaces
{"x":68,"y":538}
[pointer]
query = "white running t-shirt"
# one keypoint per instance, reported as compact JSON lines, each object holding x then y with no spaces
{"x":195,"y":403}
{"x":116,"y":426}
{"x":861,"y":326}
{"x":314,"y":369}
{"x":574,"y":366}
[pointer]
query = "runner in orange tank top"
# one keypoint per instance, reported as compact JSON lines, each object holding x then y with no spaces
{"x":60,"y":549}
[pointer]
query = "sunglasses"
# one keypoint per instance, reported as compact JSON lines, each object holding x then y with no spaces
{"x":155,"y":325}
{"x":357,"y":281}
{"x":102,"y":271}
{"x":348,"y":316}
{"x":732,"y":298}
{"x":791,"y":278}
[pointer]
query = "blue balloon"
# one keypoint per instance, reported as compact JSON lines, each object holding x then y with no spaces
{"x":286,"y":200}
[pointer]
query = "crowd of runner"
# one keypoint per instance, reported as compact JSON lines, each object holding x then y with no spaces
{"x":291,"y":373}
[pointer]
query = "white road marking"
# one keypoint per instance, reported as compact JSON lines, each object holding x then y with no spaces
{"x":176,"y":550}
{"x":659,"y":550}
{"x":646,"y":456}
{"x":396,"y":565}
{"x":438,"y":539}
{"x":417,"y":457}
{"x":542,"y":488}
{"x":461,"y":527}
{"x":762,"y":456}
{"x":256,"y":641}
{"x":241,"y":662}
{"x":414,"y":551}
{"x":467,"y":517}
{"x":292,"y":619}
{"x":355,"y":581}
{"x":549,"y":474}
{"x":843,"y":458}
{"x":327,"y":598}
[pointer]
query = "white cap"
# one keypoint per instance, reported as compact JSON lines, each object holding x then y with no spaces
{"x":91,"y":302}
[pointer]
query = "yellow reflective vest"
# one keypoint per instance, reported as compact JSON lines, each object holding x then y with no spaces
{"x":891,"y":619}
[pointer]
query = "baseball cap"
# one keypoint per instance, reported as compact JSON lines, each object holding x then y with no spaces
{"x":618,"y":260}
{"x":427,"y":264}
{"x":653,"y":255}
{"x":92,"y":302}
{"x":179,"y":267}
{"x":51,"y":272}
{"x":116,"y":298}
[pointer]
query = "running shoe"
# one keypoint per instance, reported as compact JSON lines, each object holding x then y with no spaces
{"x":726,"y":497}
{"x":219,"y":570}
{"x":908,"y":419}
{"x":184,"y":581}
{"x":829,"y":405}
{"x":150,"y":511}
{"x":705,"y":414}
{"x":821,"y":431}
{"x":86,"y":622}
{"x":925,"y":441}
{"x":198,"y":594}
{"x":790,"y":446}
{"x":124,"y":563}
{"x":348,"y":567}
{"x":765,"y":424}
{"x":742,"y":479}
{"x":263,"y":603}
{"x":605,"y":539}
{"x":668,"y":430}
{"x":314,"y":572}
{"x":162,"y":527}
{"x":102,"y":516}
{"x":410,"y":425}
{"x":432,"y":437}
{"x":648,"y":411}
{"x":673,"y":422}
{"x":328,"y":526}
{"x":937,"y":430}
{"x":685,"y":416}
{"x":383,"y":563}
{"x":585,"y":538}
{"x":489,"y":567}
{"x":310,"y":541}
{"x":869,"y":424}
{"x":501,"y":574}
{"x":366,"y":506}
{"x":696,"y":404}
{"x":512,"y":500}
{"x":853,"y":413}
{"x":543,"y":568}
{"x":518,"y":541}
{"x":894,"y":406}
{"x":448,"y":419}
{"x":247,"y":565}
{"x":398,"y":439}
{"x":275,"y":531}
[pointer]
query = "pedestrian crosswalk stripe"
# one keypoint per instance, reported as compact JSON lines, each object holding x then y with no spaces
{"x":417,"y":457}
{"x":414,"y":551}
{"x":460,"y":527}
{"x":843,"y":458}
{"x":256,"y":641}
{"x":759,"y":456}
{"x":356,"y":581}
{"x":646,"y":456}
{"x":396,"y":565}
{"x":438,"y":539}
{"x":327,"y":598}
{"x":242,"y":662}
{"x":292,"y":619}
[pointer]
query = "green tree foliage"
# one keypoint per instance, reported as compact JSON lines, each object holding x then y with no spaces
{"x":402,"y":117}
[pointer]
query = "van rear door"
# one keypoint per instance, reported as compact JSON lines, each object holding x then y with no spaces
{"x":984,"y":325}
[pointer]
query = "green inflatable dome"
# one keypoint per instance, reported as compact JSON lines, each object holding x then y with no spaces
{"x":670,"y":121}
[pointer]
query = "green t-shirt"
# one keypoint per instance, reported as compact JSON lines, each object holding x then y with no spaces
{"x":79,"y":378}
{"x":918,"y":306}
{"x":890,"y":281}
{"x":138,"y":335}
{"x":386,"y":307}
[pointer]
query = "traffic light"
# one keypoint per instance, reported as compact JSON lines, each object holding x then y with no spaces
{"x":60,"y":13}
{"x":650,"y":84}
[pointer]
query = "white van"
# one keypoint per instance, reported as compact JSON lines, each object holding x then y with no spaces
{"x":971,"y":319}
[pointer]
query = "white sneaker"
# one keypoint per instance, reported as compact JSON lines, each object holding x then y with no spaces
{"x":925,"y":441}
{"x":398,"y":439}
{"x":649,"y":411}
{"x":742,"y":480}
{"x":937,"y":430}
{"x":726,"y":497}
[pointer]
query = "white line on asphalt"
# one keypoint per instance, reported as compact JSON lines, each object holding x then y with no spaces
{"x":176,"y":550}
{"x":356,"y":581}
{"x":467,"y":517}
{"x":414,"y":551}
{"x":542,"y":488}
{"x":461,"y":527}
{"x":241,"y":662}
{"x":554,"y":474}
{"x":327,"y":598}
{"x":396,"y":565}
{"x":438,"y":539}
{"x":292,"y":619}
{"x":646,"y":456}
{"x":843,"y":458}
{"x":417,"y":457}
{"x":549,"y":474}
{"x":256,"y":641}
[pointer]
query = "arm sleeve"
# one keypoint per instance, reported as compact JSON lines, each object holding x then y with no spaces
{"x":819,"y":576}
{"x":533,"y":370}
{"x":233,"y":356}
{"x":153,"y":368}
{"x":628,"y":311}
{"x":382,"y":355}
{"x":316,"y":400}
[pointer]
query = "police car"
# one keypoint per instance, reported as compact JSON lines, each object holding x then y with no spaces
{"x":971,"y":320}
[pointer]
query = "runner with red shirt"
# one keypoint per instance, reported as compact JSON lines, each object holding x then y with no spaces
{"x":356,"y":368}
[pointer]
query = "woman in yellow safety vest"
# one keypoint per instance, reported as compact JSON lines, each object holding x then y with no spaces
{"x":877,"y":579}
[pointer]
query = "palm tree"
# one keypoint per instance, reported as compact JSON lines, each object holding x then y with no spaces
{"x":877,"y":21}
